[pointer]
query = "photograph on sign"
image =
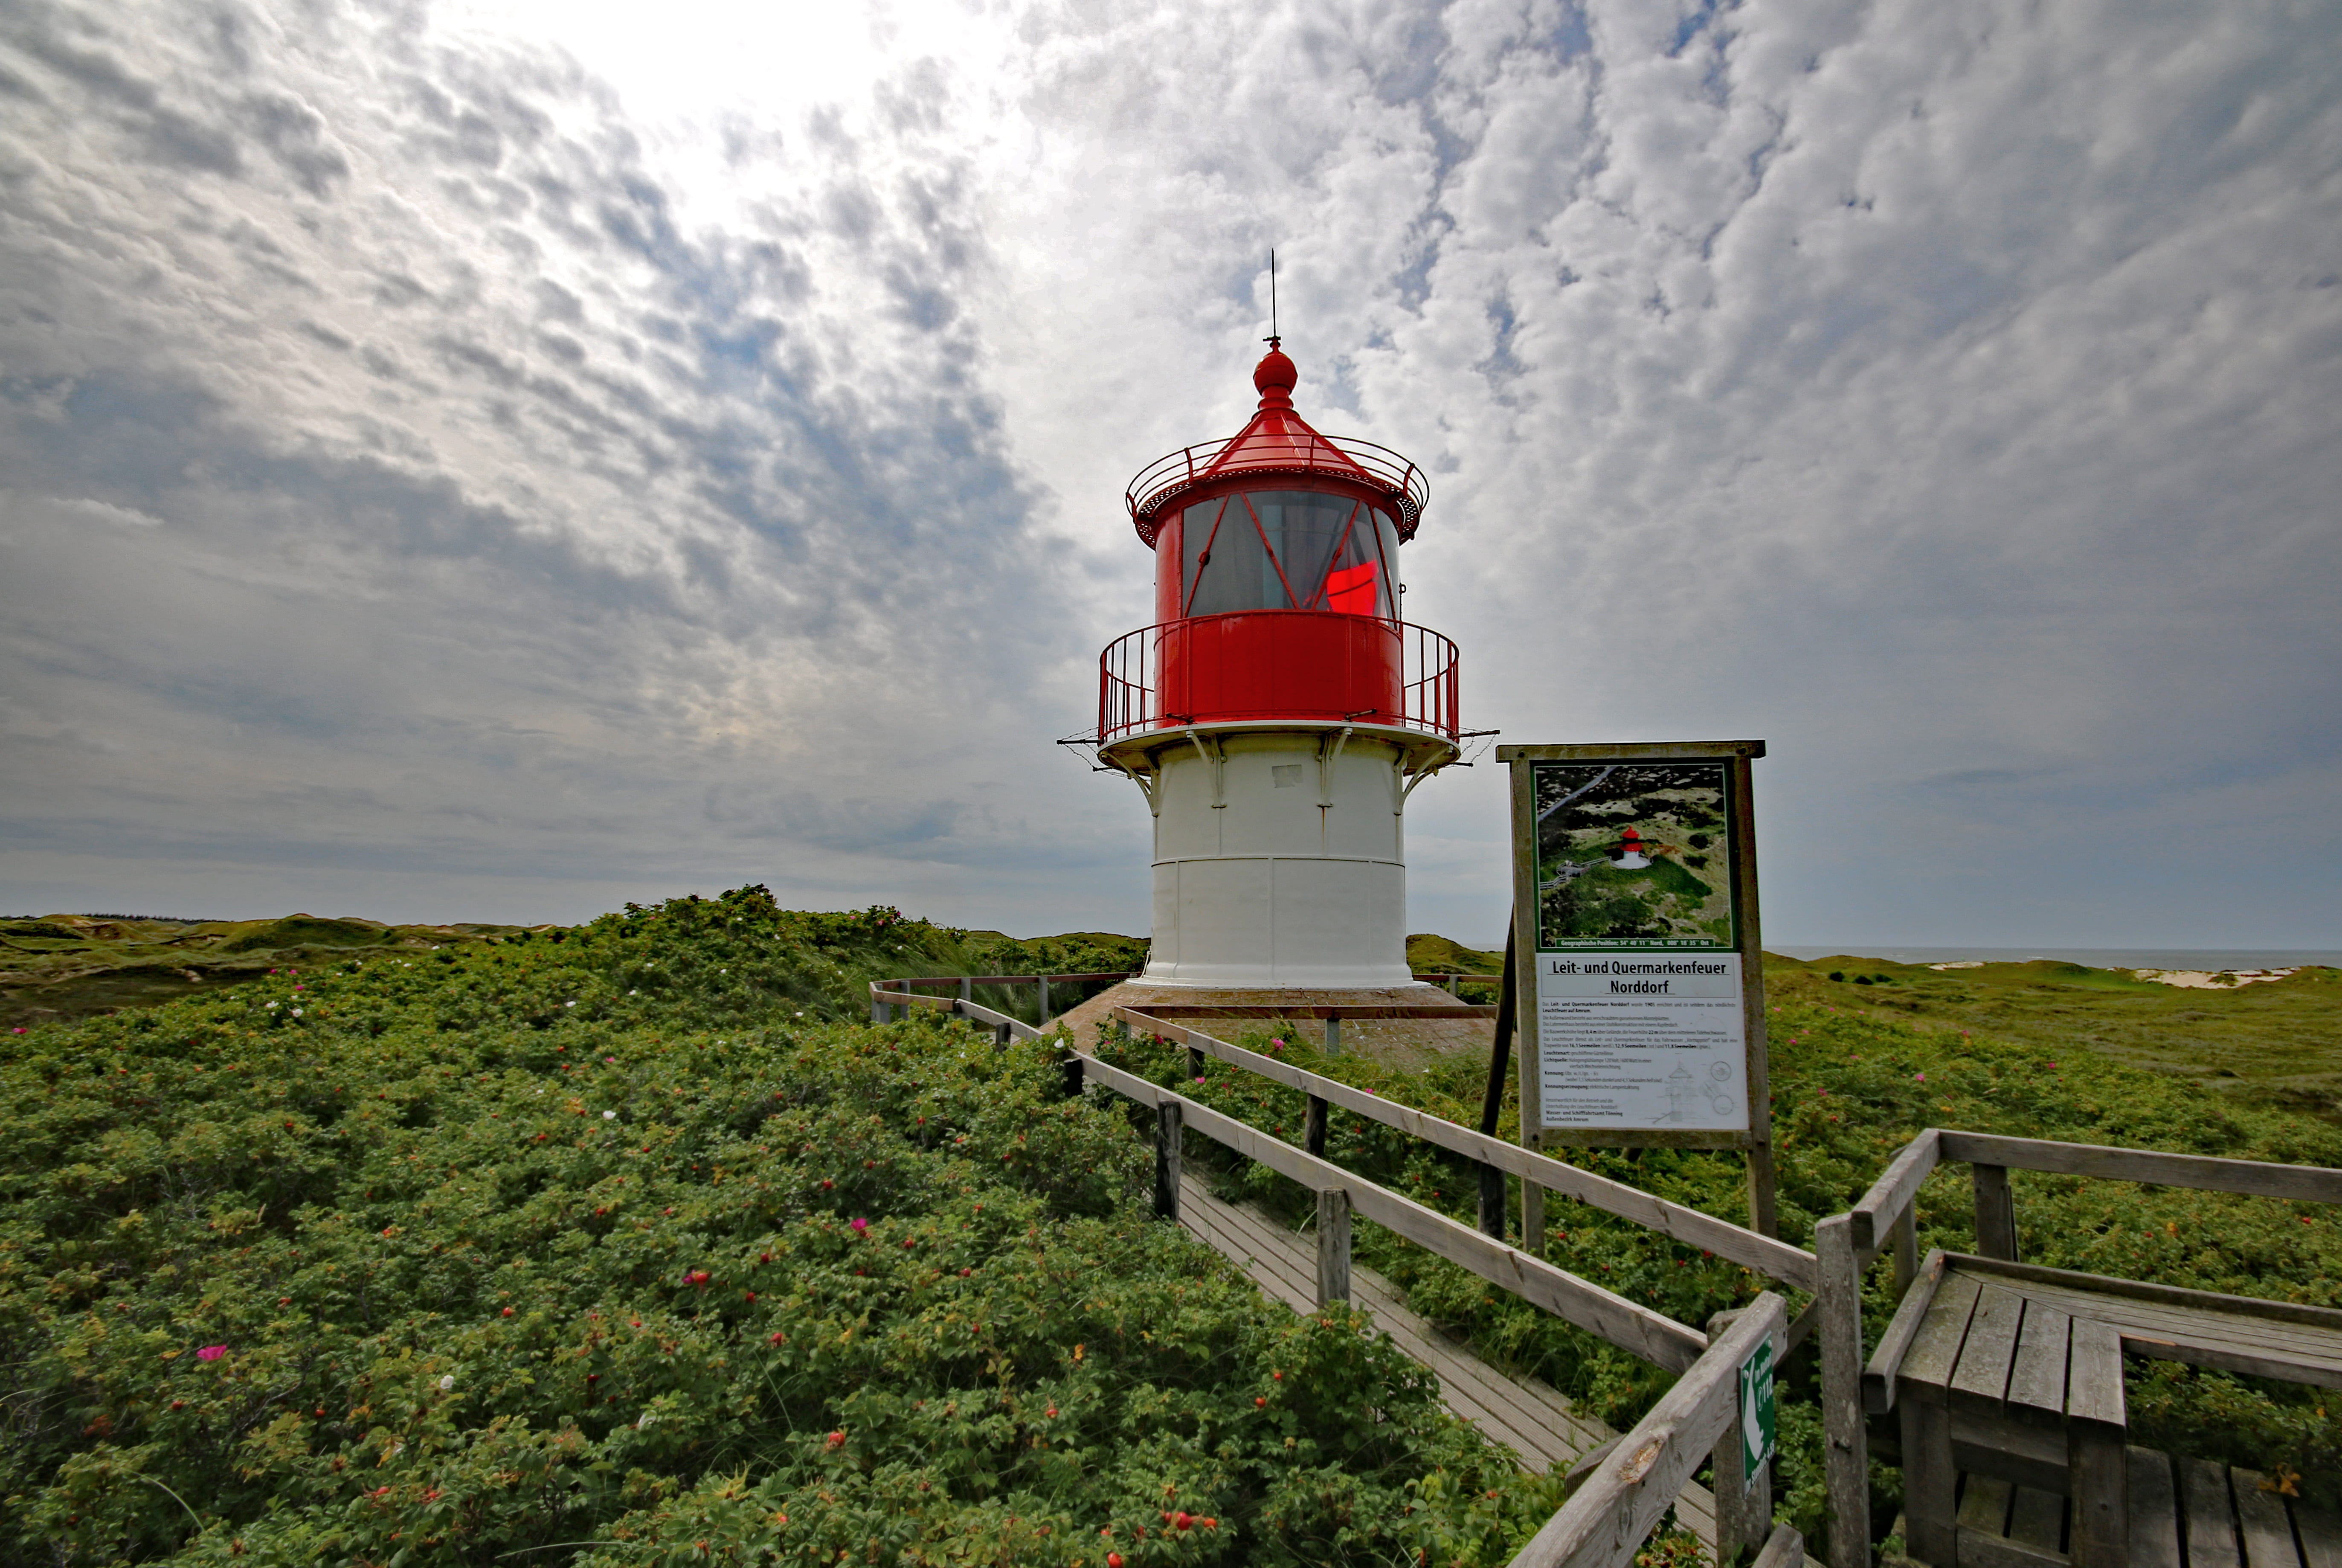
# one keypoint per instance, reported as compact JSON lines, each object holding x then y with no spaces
{"x":1633,"y":855}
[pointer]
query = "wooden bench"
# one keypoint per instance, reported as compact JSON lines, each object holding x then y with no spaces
{"x":2012,"y":1374}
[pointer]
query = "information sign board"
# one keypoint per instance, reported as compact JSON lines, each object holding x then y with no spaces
{"x":1642,"y":1003}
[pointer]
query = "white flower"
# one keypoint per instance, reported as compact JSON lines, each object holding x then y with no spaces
{"x":800,"y":1014}
{"x":297,"y":1012}
{"x":634,"y":993}
{"x":276,"y":1004}
{"x":609,"y":1115}
{"x":569,"y":1005}
{"x":446,"y":1383}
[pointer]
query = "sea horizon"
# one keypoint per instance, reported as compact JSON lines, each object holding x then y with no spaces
{"x":2212,"y":959}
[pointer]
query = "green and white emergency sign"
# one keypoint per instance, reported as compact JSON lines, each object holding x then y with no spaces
{"x":1759,"y":1416}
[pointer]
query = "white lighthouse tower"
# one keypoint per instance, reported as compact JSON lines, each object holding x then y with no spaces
{"x":1278,"y":713}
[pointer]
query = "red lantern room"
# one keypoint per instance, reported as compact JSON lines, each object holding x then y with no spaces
{"x":1279,"y":711}
{"x":1276,"y":583}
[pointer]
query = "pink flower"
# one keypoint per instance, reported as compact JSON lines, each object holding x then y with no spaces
{"x":859,"y":1226}
{"x":211,"y":1352}
{"x":1918,"y":1077}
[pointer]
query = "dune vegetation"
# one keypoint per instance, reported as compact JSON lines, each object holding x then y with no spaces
{"x":636,"y":1241}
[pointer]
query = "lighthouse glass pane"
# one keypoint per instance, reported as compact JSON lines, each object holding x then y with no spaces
{"x":1289,"y":550}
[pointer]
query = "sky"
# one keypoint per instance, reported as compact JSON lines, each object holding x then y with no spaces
{"x":498,"y":459}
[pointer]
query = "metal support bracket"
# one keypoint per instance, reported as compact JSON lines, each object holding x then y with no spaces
{"x":1400,"y":808}
{"x":1329,"y":755}
{"x":1146,"y":787}
{"x":1218,"y":757}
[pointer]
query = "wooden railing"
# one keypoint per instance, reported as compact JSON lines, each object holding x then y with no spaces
{"x":1625,"y":1490}
{"x":1618,"y":1498}
{"x":1884,"y":1222}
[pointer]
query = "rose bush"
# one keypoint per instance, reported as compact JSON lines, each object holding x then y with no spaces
{"x":586,"y":1245}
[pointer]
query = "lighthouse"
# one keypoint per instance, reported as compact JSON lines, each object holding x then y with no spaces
{"x":1280,"y":710}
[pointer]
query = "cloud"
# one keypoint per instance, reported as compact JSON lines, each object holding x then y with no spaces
{"x":560,"y":498}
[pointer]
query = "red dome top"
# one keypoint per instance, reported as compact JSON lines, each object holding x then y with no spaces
{"x":1277,"y":441}
{"x":1274,"y":378}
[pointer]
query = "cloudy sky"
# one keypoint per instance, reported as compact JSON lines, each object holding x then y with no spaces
{"x":496,"y":460}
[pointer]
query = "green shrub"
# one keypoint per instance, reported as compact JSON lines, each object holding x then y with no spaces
{"x":591,"y":1238}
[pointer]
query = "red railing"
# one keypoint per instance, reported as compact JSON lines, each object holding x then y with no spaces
{"x":1165,"y":477}
{"x":1256,"y":664}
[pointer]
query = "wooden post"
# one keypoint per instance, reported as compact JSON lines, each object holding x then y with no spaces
{"x":967,"y":990}
{"x":1003,"y":1033}
{"x":1332,"y":1034}
{"x":1042,"y":1021}
{"x":1532,"y":1218}
{"x":1492,"y":1101}
{"x":1996,"y":1213}
{"x":1168,"y":1120}
{"x":1074,"y":1078}
{"x":1743,"y":1509}
{"x":877,"y":1011}
{"x":1846,"y":1458}
{"x":1333,"y":1245}
{"x":1194,"y":1062}
{"x":1492,"y":1202}
{"x":1906,"y":1237}
{"x":1314,"y":1130}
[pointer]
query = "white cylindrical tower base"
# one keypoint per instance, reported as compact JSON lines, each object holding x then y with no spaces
{"x":1279,"y":858}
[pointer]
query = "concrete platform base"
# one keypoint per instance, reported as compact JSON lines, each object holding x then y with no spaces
{"x":1397,"y":1041}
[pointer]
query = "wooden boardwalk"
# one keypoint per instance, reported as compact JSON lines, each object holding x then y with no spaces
{"x":1524,"y":1416}
{"x":2183,"y":1514}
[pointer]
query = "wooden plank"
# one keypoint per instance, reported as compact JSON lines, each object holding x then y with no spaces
{"x":1845,"y":1452}
{"x":1984,"y":1505}
{"x":2146,"y":1291}
{"x":1333,"y":1245}
{"x":1934,"y":1349}
{"x":2037,"y":1377}
{"x":2037,"y":1518}
{"x":1169,"y":1118}
{"x":2320,"y":1534}
{"x":1774,"y":1259}
{"x":2261,"y":1523}
{"x":1270,"y":1012}
{"x":1981,"y":1550}
{"x":1981,"y":1381}
{"x":1995,"y":1212}
{"x":1878,"y":1377}
{"x":2094,"y":1385}
{"x":2154,"y":1533}
{"x":1784,"y":1549}
{"x":2313,"y":1184}
{"x":1897,"y":1185}
{"x":1534,"y":1423}
{"x":2097,"y":1479}
{"x":1607,"y":1518}
{"x":1630,"y":1326}
{"x":1930,"y":1483}
{"x":2244,"y":1330}
{"x":2211,"y":1527}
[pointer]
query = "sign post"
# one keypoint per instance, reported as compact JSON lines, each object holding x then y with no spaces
{"x":1640,"y":1000}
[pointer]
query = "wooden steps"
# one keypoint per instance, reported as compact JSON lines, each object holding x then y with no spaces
{"x":1526,"y":1415}
{"x":2183,"y":1514}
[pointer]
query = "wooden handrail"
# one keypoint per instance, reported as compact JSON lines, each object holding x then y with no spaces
{"x":1879,"y":1208}
{"x":1631,"y":1326}
{"x":1607,"y":1518}
{"x":1774,"y":1259}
